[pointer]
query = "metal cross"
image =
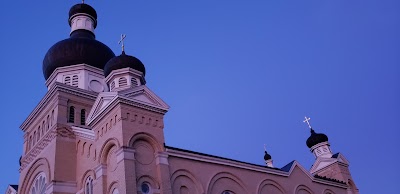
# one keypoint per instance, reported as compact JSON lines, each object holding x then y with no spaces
{"x":307,"y":121}
{"x":121,"y":41}
{"x":265,"y":147}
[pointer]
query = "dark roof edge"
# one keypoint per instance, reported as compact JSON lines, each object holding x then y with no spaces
{"x":219,"y":157}
{"x":329,"y":179}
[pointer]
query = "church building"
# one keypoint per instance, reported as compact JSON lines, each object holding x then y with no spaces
{"x":99,"y":130}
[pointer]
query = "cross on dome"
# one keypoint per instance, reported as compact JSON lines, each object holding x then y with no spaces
{"x":307,"y":120}
{"x":121,"y":41}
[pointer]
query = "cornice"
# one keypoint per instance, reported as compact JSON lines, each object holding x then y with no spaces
{"x":77,"y":67}
{"x":124,"y":100}
{"x":83,"y":133}
{"x":176,"y":152}
{"x":225,"y":162}
{"x":57,"y":87}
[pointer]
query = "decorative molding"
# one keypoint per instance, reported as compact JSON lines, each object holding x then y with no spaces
{"x":225,"y":162}
{"x":125,"y":153}
{"x":100,"y":170}
{"x":162,"y":158}
{"x":61,"y":187}
{"x":96,"y":114}
{"x":37,"y":149}
{"x":87,"y":134}
{"x":52,"y":92}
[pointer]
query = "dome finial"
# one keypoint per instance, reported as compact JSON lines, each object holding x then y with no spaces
{"x":121,"y":42}
{"x":83,"y":1}
{"x":307,"y":120}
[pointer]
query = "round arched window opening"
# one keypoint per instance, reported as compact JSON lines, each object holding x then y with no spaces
{"x":227,"y":192}
{"x":145,"y":188}
{"x":39,"y":184}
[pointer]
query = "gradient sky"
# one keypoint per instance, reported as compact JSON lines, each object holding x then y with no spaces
{"x":237,"y":75}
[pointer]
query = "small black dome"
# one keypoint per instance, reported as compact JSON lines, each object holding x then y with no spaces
{"x":316,"y":138}
{"x":80,"y":48}
{"x":267,"y":156}
{"x":82,"y":8}
{"x":124,"y":61}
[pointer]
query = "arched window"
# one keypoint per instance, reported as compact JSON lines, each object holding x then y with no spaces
{"x":71,"y":117}
{"x":115,"y":191}
{"x":112,"y":85}
{"x":122,"y":82}
{"x":133,"y":82}
{"x":227,"y":192}
{"x":83,"y":116}
{"x":75,"y":81}
{"x":67,"y":80}
{"x":89,"y":185}
{"x":39,"y":184}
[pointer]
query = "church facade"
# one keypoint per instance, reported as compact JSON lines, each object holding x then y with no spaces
{"x":99,"y":130}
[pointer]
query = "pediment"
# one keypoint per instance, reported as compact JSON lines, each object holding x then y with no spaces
{"x":101,"y":103}
{"x":322,"y":163}
{"x":140,"y":96}
{"x":143,"y":94}
{"x":342,"y":159}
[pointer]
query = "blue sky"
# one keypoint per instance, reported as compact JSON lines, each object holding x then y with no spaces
{"x":237,"y":75}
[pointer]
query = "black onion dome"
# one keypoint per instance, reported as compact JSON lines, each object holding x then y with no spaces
{"x":82,"y":8}
{"x":80,"y":48}
{"x":124,"y":61}
{"x":316,"y":138}
{"x":267,"y":156}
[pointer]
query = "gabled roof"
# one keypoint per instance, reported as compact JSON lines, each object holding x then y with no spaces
{"x":140,"y":96}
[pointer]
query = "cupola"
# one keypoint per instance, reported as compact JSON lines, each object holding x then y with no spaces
{"x":318,"y":143}
{"x":268,"y":158}
{"x":124,"y":71}
{"x":81,"y":47}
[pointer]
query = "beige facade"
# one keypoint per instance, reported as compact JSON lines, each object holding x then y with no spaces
{"x":104,"y":135}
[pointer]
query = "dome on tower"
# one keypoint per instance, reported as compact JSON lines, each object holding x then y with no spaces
{"x":316,"y":138}
{"x":81,"y":47}
{"x":82,"y":8}
{"x":124,"y":61}
{"x":267,"y":156}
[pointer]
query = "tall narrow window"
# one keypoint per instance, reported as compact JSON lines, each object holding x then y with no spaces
{"x":75,"y":80}
{"x":38,"y":135}
{"x":122,"y":82}
{"x":52,"y":118}
{"x":30,"y":142}
{"x":67,"y":80}
{"x":83,"y":117}
{"x":133,"y":82}
{"x":89,"y":186}
{"x":112,"y":85}
{"x":71,"y":117}
{"x":48,"y":122}
{"x":34,"y":139}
